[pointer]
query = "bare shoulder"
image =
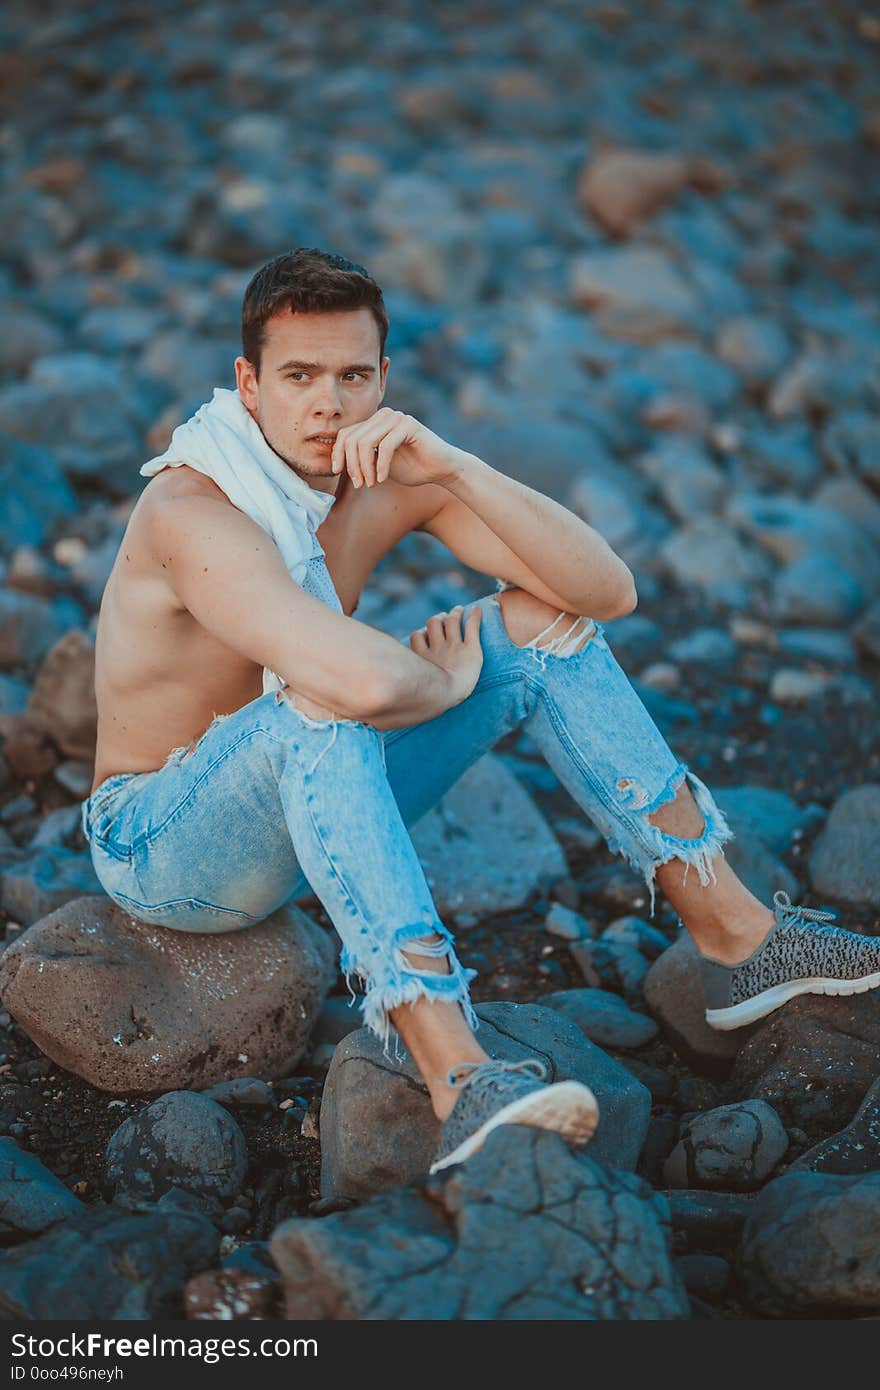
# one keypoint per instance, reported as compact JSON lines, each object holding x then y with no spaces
{"x":182,"y":481}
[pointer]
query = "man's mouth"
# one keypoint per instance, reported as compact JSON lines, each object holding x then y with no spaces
{"x":322,"y":439}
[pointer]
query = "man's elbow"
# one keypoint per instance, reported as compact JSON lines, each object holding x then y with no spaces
{"x":626,"y":603}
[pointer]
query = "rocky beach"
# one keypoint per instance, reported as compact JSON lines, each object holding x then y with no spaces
{"x":630,"y":257}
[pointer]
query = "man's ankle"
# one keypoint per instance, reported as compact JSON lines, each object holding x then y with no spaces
{"x":734,"y":940}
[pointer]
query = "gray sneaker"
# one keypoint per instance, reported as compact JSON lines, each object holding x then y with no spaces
{"x":498,"y":1093}
{"x":797,"y":957}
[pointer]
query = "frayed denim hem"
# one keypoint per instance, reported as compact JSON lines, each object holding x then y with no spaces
{"x":655,"y":846}
{"x":395,"y":982}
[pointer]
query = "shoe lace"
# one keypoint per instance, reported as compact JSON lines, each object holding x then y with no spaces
{"x":789,"y":912}
{"x":474,"y":1070}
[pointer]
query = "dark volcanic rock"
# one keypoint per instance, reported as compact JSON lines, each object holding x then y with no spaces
{"x":811,"y":1246}
{"x":674,"y":996}
{"x":182,"y":1140}
{"x":813,"y":1060}
{"x":378,"y":1129}
{"x":524,"y":1230}
{"x":107,"y":1264}
{"x":856,"y":1149}
{"x":31,"y":1198}
{"x":733,"y":1149}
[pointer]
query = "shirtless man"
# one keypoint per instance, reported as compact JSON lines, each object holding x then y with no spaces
{"x":323,"y":778}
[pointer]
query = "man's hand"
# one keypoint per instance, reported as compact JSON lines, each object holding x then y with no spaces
{"x":391,"y":444}
{"x":441,"y":642}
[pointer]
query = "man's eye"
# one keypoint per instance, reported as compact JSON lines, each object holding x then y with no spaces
{"x":291,"y":375}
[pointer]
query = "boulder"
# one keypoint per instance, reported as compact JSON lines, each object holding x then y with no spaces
{"x":31,"y":1198}
{"x":811,"y":1247}
{"x":674,"y":996}
{"x":141,"y":1010}
{"x":844,"y":862}
{"x":733,"y":1148}
{"x":35,"y":882}
{"x":603,"y":1017}
{"x":525,"y":1229}
{"x":183,"y":1141}
{"x":485,"y":846}
{"x":813,"y":1060}
{"x":379,"y":1130}
{"x":62,"y":702}
{"x":855,"y":1149}
{"x":709,"y":1220}
{"x":107,"y":1264}
{"x":621,"y":188}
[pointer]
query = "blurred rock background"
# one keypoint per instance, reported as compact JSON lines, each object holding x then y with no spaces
{"x":629,"y":254}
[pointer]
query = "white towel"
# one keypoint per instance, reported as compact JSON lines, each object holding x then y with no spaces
{"x":223,"y":441}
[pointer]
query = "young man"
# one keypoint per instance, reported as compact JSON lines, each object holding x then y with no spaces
{"x":316,"y":777}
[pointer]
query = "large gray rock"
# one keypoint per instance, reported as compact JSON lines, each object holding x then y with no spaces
{"x":844,"y":860}
{"x":182,"y":1140}
{"x":766,"y":813}
{"x":811,"y":1246}
{"x":813,"y":1060}
{"x":856,"y":1149}
{"x":141,"y":1009}
{"x":379,"y":1130}
{"x":603,"y":1017}
{"x":733,"y":1148}
{"x":525,"y":1229}
{"x":36,"y":882}
{"x":634,"y":279}
{"x":30,"y":625}
{"x":709,"y":553}
{"x":107,"y":1264}
{"x":758,"y":868}
{"x":36,"y":493}
{"x":674,"y":996}
{"x":485,"y":846}
{"x":31,"y":1198}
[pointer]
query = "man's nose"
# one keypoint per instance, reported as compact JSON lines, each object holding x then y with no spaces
{"x":328,"y":399}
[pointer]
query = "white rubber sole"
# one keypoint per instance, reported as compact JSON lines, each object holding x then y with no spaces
{"x":568,"y":1107}
{"x":724,"y":1020}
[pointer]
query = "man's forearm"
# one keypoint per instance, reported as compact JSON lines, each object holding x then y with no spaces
{"x":570,"y":556}
{"x":418,"y":690}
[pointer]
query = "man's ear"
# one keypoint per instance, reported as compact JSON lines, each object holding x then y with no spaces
{"x":246,"y":381}
{"x":383,"y":375}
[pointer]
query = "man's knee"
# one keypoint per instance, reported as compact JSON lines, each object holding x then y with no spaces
{"x":527,"y":618}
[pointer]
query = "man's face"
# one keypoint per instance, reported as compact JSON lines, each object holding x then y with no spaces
{"x":318,"y":373}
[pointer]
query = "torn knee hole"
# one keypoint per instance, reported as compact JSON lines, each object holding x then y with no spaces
{"x":565,"y":635}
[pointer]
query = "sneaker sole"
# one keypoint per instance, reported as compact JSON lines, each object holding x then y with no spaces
{"x":724,"y":1020}
{"x":568,"y":1107}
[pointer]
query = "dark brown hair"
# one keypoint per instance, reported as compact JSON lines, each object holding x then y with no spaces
{"x":311,"y":281}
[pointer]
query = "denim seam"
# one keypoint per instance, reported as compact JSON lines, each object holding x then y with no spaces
{"x":149,"y":836}
{"x":198,"y":902}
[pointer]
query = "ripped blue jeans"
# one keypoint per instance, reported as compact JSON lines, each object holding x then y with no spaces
{"x":269,"y":802}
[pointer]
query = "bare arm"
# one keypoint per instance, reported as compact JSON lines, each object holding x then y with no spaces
{"x":230,"y":576}
{"x":504,"y":528}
